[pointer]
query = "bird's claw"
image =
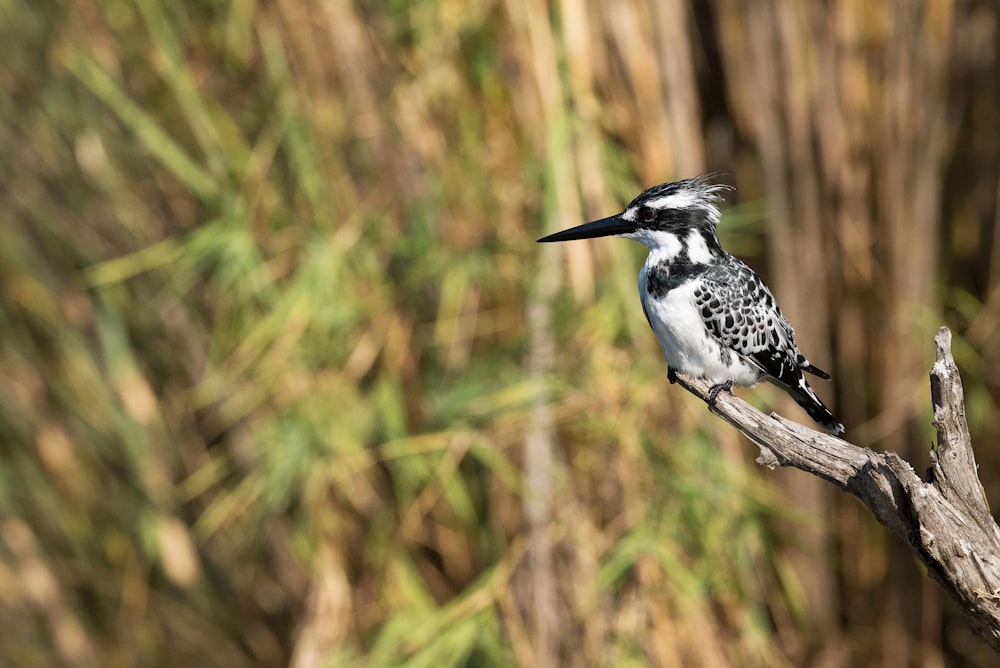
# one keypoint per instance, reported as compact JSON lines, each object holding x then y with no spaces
{"x":713,"y":393}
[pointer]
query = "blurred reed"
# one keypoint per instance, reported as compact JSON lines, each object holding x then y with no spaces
{"x":285,"y":379}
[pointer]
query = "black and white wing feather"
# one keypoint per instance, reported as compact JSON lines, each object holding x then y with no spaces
{"x":740,"y":311}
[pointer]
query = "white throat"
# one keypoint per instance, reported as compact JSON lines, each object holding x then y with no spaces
{"x":666,"y":244}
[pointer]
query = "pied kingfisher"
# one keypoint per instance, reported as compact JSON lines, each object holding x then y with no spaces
{"x":715,"y":319}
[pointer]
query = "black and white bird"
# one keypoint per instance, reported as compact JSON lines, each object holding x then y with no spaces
{"x":715,"y":319}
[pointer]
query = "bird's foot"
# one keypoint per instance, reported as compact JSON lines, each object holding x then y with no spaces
{"x":713,"y":393}
{"x":671,"y":374}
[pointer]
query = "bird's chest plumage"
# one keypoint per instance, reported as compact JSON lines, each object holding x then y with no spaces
{"x":668,"y":293}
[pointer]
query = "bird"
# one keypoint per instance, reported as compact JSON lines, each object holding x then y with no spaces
{"x":714,"y":317}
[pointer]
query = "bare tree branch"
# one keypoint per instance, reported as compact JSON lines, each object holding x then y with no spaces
{"x":945,"y":519}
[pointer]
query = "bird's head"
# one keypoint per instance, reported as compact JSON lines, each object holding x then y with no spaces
{"x":658,"y":214}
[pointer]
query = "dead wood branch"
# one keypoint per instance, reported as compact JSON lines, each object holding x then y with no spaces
{"x":945,"y":519}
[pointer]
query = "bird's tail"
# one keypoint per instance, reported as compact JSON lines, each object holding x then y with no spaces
{"x":817,"y":410}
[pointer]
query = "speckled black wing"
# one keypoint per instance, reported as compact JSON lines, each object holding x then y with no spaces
{"x":739,"y":309}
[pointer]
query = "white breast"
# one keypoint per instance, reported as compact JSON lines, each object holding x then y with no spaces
{"x":687,"y":344}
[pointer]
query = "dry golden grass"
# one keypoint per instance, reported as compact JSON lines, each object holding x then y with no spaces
{"x":284,"y":377}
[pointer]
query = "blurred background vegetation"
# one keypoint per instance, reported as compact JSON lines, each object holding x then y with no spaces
{"x":284,"y":378}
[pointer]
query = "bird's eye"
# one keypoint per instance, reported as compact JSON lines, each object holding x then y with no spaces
{"x":647,"y":214}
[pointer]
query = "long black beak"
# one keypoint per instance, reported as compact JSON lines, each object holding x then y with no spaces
{"x":604,"y":227}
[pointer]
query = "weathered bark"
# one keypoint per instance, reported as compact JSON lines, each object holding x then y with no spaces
{"x":945,"y":519}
